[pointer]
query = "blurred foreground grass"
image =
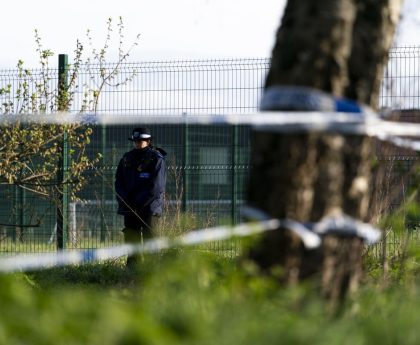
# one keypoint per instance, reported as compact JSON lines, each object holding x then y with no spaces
{"x":193,"y":297}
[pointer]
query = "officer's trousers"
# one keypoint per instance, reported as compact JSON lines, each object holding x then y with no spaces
{"x":138,"y":228}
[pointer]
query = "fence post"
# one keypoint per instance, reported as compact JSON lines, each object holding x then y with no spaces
{"x":185,"y":166}
{"x":19,"y":216}
{"x":62,"y":207}
{"x":16,"y":213}
{"x":12,"y":231}
{"x":22,"y":203}
{"x":114,"y":212}
{"x":234,"y":180}
{"x":103,"y":181}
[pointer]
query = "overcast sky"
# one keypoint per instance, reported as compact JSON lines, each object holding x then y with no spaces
{"x":170,"y":29}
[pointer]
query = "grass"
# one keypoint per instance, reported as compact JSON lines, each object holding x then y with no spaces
{"x":198,"y":297}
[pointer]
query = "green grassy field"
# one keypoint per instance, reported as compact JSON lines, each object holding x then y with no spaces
{"x":198,"y":297}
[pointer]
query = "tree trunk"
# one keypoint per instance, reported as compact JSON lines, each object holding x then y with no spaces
{"x":313,"y":45}
{"x":338,"y":46}
{"x":373,"y":33}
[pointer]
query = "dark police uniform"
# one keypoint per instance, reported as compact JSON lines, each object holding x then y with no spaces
{"x":140,"y":186}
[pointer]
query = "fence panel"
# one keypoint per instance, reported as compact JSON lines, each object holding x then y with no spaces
{"x":207,"y":165}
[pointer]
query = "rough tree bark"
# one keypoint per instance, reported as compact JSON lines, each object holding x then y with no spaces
{"x":341,"y":47}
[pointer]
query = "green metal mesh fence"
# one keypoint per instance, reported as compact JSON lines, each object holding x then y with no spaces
{"x":207,"y":165}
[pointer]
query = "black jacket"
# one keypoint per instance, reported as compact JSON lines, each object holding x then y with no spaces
{"x":140,"y":181}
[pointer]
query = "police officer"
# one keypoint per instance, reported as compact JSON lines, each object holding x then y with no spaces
{"x":140,"y":186}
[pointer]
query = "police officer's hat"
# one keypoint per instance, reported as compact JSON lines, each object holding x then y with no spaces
{"x":140,"y":133}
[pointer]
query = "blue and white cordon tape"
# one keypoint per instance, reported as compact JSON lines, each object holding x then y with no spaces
{"x":310,"y":235}
{"x":298,"y":98}
{"x":283,"y":109}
